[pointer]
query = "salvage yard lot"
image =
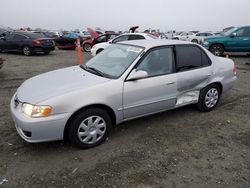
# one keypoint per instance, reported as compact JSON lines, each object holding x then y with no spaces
{"x":178,"y":148}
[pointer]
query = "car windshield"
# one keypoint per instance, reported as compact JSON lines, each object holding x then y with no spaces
{"x":114,"y":60}
{"x":230,"y":31}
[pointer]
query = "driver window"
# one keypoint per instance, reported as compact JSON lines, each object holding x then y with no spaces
{"x":240,"y":33}
{"x":157,"y":62}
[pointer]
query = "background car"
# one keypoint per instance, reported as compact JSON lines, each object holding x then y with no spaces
{"x":184,"y":36}
{"x":199,"y":37}
{"x":26,"y":42}
{"x":124,"y":37}
{"x":128,"y":80}
{"x":236,"y":39}
{"x":48,"y":34}
{"x":88,"y":43}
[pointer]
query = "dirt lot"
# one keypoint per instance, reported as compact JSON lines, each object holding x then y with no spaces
{"x":179,"y":148}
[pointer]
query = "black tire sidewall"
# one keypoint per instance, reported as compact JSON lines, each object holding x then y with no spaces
{"x":217,"y":45}
{"x":202,"y":104}
{"x":75,"y":123}
{"x":84,"y":48}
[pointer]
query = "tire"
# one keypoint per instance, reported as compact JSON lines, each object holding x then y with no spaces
{"x":46,"y":52}
{"x":195,"y":41}
{"x":217,"y":49}
{"x":27,"y":51}
{"x":87,"y":47}
{"x":84,"y":134}
{"x":98,"y":51}
{"x":209,"y":98}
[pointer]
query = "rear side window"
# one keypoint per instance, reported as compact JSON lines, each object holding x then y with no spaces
{"x":121,"y":38}
{"x":136,"y":37}
{"x":19,"y":37}
{"x":190,"y":57}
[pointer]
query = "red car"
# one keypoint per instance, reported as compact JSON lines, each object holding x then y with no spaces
{"x":96,"y":38}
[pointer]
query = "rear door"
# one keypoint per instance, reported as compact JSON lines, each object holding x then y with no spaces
{"x":193,"y":68}
{"x":155,"y":93}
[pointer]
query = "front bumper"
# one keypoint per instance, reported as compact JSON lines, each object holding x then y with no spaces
{"x":38,"y":129}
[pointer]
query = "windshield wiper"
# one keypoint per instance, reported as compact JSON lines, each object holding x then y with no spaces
{"x":92,"y":69}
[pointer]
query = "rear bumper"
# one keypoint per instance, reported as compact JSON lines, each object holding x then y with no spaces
{"x":38,"y":129}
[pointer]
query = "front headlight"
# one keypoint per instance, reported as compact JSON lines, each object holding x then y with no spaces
{"x":205,"y":43}
{"x":36,"y":110}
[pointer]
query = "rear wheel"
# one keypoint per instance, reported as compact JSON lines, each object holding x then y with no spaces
{"x":209,"y":98}
{"x":195,"y":41}
{"x":27,"y":51}
{"x":89,"y":128}
{"x":217,"y":49}
{"x":87,"y":47}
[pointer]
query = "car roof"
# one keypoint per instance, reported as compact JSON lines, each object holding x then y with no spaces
{"x":155,"y":43}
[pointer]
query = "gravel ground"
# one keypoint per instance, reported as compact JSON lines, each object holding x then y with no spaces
{"x":178,"y":148}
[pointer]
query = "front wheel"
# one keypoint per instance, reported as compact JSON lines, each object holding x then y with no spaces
{"x":217,"y":49}
{"x":90,"y":128}
{"x":209,"y":98}
{"x":98,"y":51}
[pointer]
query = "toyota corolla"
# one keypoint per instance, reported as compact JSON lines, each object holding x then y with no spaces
{"x":128,"y":80}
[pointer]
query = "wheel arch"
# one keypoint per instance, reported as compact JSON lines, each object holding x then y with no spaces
{"x":108,"y":109}
{"x":219,"y":84}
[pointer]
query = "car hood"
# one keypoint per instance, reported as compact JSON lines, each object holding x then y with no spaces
{"x":55,"y":83}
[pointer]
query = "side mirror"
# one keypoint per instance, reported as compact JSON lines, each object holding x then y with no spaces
{"x":136,"y":75}
{"x":233,"y":35}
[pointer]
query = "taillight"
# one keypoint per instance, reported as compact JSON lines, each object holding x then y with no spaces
{"x":234,"y":70}
{"x":36,"y":42}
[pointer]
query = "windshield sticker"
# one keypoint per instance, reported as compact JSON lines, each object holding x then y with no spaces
{"x":134,"y":49}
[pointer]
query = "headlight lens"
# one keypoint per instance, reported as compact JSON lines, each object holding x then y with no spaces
{"x":35,"y":110}
{"x":206,"y":43}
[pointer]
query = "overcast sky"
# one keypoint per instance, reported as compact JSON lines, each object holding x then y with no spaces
{"x":121,"y":14}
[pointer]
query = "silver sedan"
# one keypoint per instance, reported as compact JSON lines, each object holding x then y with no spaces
{"x":127,"y":80}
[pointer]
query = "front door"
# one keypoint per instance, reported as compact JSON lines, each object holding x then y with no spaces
{"x":155,"y":93}
{"x":241,"y":41}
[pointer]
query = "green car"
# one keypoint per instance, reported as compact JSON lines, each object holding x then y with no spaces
{"x":234,"y":40}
